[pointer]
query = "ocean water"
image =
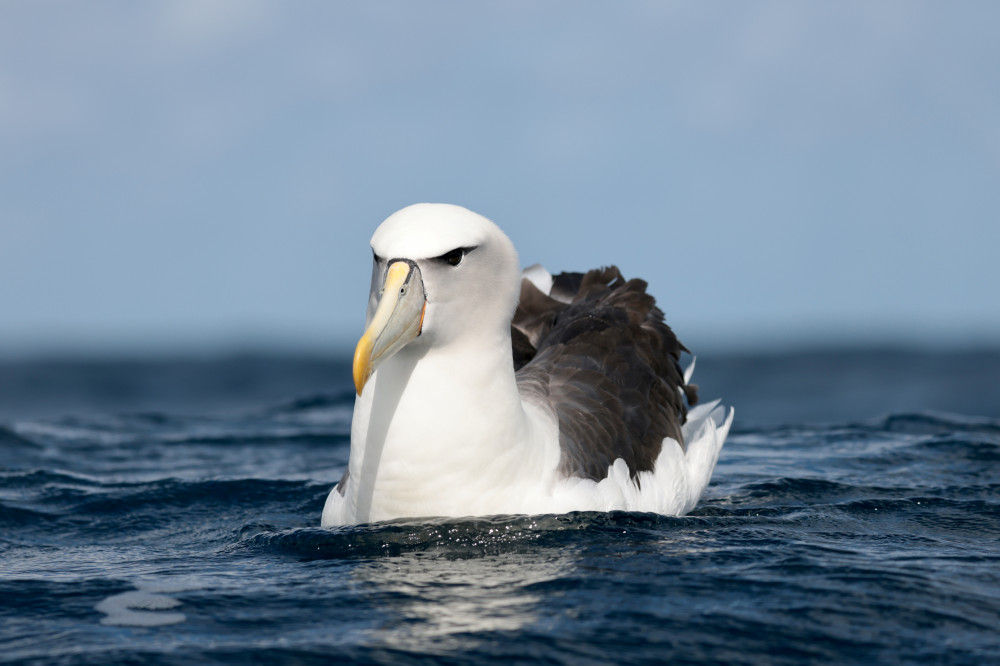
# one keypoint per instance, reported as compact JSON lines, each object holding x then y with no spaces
{"x":168,"y":512}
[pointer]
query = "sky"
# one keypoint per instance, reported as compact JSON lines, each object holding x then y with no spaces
{"x":203,"y":176}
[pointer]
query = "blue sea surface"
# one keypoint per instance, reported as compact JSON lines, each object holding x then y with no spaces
{"x":167,"y":512}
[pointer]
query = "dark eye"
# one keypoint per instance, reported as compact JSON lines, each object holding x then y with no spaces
{"x":453,"y":258}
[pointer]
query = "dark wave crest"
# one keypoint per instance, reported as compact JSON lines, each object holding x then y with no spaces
{"x":309,"y":403}
{"x":933,"y":423}
{"x":455,"y":538}
{"x":10,"y":440}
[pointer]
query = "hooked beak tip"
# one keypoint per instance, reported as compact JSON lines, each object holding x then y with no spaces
{"x":398,"y":318}
{"x":362,"y":362}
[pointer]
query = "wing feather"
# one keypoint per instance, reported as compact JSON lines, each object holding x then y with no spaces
{"x":597,"y":353}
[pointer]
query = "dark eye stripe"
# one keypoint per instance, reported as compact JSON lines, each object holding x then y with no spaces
{"x":455,"y":257}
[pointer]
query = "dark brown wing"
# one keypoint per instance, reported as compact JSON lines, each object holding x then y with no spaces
{"x":602,"y":358}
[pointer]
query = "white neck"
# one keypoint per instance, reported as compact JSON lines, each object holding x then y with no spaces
{"x":436,"y":419}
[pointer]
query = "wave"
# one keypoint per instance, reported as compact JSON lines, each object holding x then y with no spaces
{"x":919,"y":517}
{"x":200,"y":495}
{"x":926,"y":422}
{"x":961,"y":448}
{"x":312,"y":402}
{"x":15,"y":517}
{"x":143,"y":429}
{"x":9,"y":439}
{"x":456,"y":538}
{"x":804,"y":491}
{"x":128,"y":510}
{"x":43,"y":478}
{"x":18,"y":451}
{"x":932,"y":423}
{"x":262,"y":439}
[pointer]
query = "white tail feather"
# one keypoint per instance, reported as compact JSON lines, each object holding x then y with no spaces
{"x":690,"y":370}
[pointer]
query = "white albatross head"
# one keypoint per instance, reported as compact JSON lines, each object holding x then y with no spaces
{"x":442,"y":274}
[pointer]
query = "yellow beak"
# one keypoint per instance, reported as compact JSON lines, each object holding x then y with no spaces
{"x":397,"y":320}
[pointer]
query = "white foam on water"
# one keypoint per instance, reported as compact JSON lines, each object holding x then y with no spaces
{"x":139,"y":608}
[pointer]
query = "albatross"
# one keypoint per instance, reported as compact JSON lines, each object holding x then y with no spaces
{"x":484,"y":390}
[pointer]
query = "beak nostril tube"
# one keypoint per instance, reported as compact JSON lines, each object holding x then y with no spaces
{"x":397,"y":320}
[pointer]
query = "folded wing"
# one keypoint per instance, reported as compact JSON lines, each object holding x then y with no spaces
{"x":596,"y":353}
